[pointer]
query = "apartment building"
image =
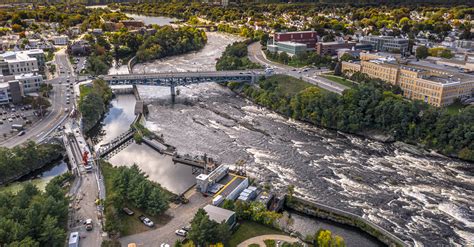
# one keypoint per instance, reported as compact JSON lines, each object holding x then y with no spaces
{"x":60,"y":40}
{"x":387,"y":43}
{"x":434,"y":84}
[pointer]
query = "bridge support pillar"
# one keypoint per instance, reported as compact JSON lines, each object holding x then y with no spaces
{"x":173,"y":92}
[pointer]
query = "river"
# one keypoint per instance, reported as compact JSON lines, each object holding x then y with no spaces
{"x":422,"y":198}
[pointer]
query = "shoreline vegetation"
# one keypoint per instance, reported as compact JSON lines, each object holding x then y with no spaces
{"x":235,"y":57}
{"x":370,"y":108}
{"x":35,"y":218}
{"x":27,"y":158}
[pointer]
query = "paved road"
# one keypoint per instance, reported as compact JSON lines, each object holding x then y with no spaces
{"x":181,"y":216}
{"x":85,"y":192}
{"x":256,"y":55}
{"x":56,"y":114}
{"x":259,"y":240}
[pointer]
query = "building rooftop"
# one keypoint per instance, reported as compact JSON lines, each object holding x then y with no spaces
{"x":217,"y":214}
{"x":296,"y":32}
{"x":291,"y":43}
{"x":26,"y":75}
{"x":19,"y":56}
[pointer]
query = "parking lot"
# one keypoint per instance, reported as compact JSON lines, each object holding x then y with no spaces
{"x":180,"y":216}
{"x":79,"y":64}
{"x":16,"y":115}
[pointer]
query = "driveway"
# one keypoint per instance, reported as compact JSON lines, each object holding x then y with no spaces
{"x":259,"y":240}
{"x":181,"y":216}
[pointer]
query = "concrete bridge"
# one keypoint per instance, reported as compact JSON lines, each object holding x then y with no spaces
{"x":174,"y":79}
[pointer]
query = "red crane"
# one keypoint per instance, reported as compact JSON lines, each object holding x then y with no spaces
{"x":85,"y":157}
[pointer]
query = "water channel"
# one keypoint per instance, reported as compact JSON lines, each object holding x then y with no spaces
{"x":39,"y":178}
{"x":423,"y":198}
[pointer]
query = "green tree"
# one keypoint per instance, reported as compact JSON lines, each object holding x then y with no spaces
{"x":205,"y":231}
{"x":324,"y":238}
{"x":422,"y":52}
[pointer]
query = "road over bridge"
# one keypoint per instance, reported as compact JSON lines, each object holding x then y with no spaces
{"x":175,"y":79}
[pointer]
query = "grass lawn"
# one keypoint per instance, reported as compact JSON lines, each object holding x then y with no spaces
{"x":454,"y":108}
{"x":290,"y":85}
{"x":248,"y":229}
{"x":340,"y":80}
{"x":131,"y":224}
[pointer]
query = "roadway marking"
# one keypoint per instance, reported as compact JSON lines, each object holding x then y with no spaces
{"x":225,"y":186}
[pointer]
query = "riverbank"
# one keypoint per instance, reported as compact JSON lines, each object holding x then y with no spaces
{"x":29,"y":158}
{"x":367,"y":110}
{"x":343,"y":217}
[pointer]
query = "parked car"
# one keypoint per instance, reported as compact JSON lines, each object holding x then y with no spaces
{"x":89,"y":225}
{"x":146,"y":221}
{"x":187,"y":228}
{"x":128,"y":211}
{"x":181,"y":232}
{"x":21,"y":133}
{"x":164,"y":245}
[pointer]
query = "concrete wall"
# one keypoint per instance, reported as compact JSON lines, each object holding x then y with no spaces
{"x":340,"y":216}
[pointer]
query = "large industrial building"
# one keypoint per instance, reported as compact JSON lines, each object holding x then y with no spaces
{"x":291,"y":48}
{"x":429,"y":82}
{"x":309,"y":38}
{"x":293,"y":43}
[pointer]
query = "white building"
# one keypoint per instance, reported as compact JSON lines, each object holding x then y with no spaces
{"x":20,"y":62}
{"x":23,"y":62}
{"x":30,"y":82}
{"x":60,"y":40}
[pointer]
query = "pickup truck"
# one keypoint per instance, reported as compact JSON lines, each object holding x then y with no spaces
{"x":146,"y":221}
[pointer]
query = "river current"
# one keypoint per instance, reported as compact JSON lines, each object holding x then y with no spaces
{"x":425,"y":199}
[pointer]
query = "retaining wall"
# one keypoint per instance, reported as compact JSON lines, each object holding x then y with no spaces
{"x":340,"y":216}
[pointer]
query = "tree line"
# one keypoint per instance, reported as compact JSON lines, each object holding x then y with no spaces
{"x":372,"y":105}
{"x":235,"y":57}
{"x":130,"y":186}
{"x":35,"y":218}
{"x":100,"y":58}
{"x":168,"y":41}
{"x":23,"y":159}
{"x":93,"y":102}
{"x":300,"y":60}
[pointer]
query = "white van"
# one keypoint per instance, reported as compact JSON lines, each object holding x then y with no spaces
{"x":73,"y":239}
{"x":217,"y":200}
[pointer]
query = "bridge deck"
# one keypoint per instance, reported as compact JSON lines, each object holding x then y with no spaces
{"x":197,"y":74}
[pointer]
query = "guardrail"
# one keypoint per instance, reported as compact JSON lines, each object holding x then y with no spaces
{"x":344,"y":217}
{"x":131,"y":63}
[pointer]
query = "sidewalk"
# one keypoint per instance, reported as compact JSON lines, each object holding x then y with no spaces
{"x":260,"y":240}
